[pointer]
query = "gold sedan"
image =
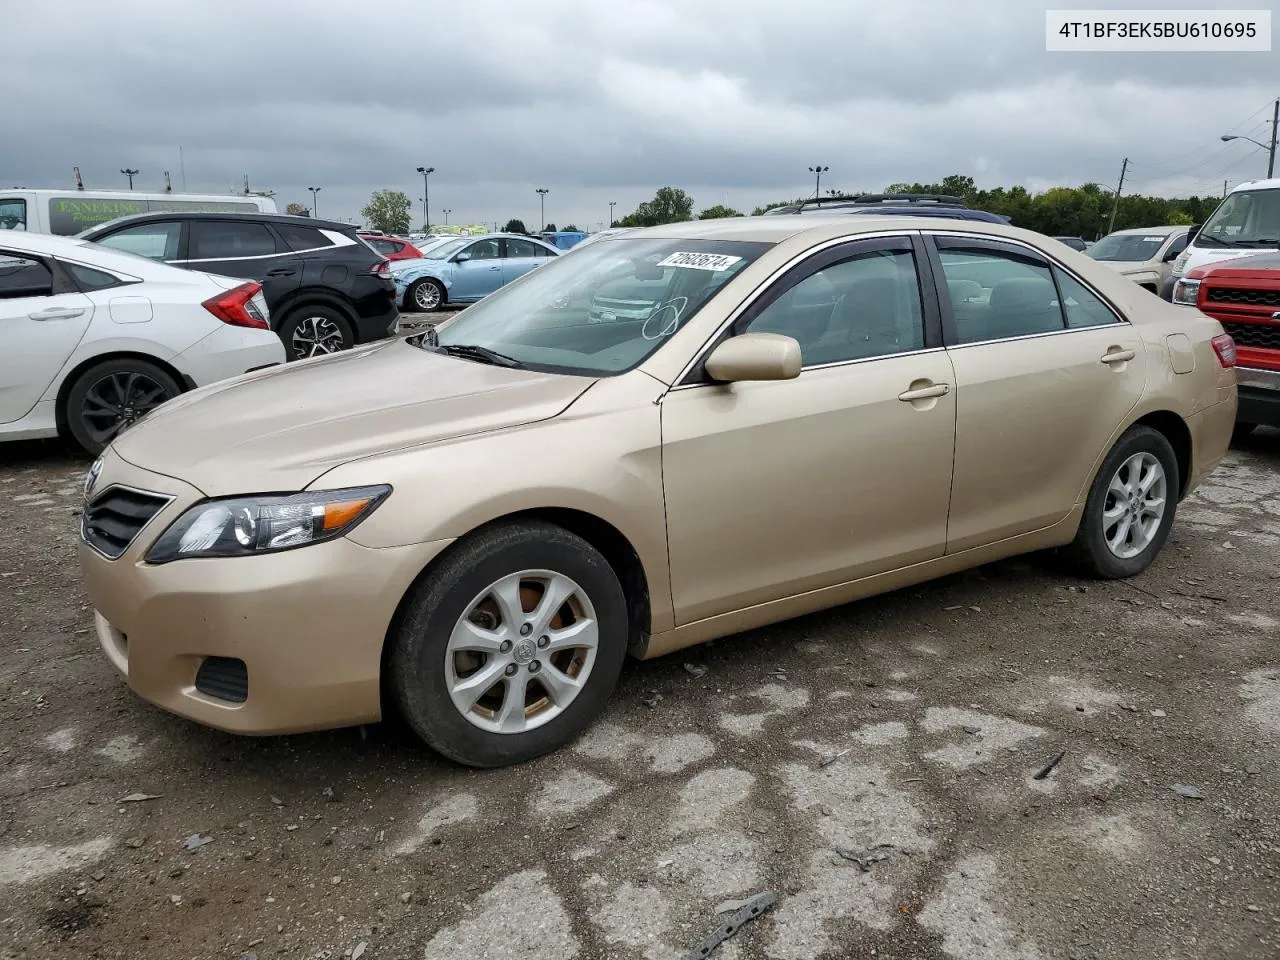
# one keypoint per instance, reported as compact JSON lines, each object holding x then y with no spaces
{"x":672,"y":435}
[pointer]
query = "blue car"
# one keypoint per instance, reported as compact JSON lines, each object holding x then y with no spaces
{"x":465,"y":270}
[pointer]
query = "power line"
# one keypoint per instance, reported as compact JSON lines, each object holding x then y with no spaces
{"x":1173,"y":164}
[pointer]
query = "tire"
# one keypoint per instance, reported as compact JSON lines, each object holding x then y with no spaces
{"x":315,"y":331}
{"x":424,"y":296}
{"x":132,"y":386}
{"x":1242,"y":430}
{"x":1090,"y":552}
{"x":423,"y":669}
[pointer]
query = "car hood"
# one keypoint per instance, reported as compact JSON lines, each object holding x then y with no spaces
{"x":1128,"y":266}
{"x":279,"y":429}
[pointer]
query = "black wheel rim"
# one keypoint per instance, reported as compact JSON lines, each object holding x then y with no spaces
{"x":118,"y":400}
{"x":315,"y":337}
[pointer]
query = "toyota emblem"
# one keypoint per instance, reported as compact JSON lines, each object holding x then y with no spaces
{"x":91,"y":477}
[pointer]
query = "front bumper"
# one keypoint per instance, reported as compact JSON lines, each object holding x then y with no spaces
{"x":1259,"y":392}
{"x":307,"y":624}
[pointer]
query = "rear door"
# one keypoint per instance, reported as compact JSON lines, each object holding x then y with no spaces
{"x":248,"y":249}
{"x":518,"y":258}
{"x":43,"y":317}
{"x":1046,"y":371}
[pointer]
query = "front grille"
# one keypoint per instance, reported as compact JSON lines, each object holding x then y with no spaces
{"x":224,"y":678}
{"x":112,"y":521}
{"x":1252,"y":298}
{"x":1263,"y":335}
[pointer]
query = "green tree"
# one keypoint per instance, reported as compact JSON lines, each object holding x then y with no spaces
{"x":669,"y":205}
{"x":514,"y":226}
{"x":777,"y":203}
{"x":572,"y":228}
{"x":387,"y":211}
{"x":549,"y":228}
{"x":717,"y":212}
{"x":297,"y":210}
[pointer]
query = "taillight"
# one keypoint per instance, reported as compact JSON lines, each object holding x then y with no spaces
{"x":381,"y":269}
{"x":1225,"y":348}
{"x":243,"y":306}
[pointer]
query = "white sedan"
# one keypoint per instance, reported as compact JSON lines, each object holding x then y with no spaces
{"x":94,"y":339}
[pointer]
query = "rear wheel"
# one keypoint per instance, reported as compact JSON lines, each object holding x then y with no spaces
{"x":1130,"y":509}
{"x":111,"y":396}
{"x":314,"y":331}
{"x":426,"y":296}
{"x":511,"y":647}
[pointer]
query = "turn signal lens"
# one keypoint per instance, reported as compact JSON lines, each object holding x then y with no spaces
{"x":1225,"y":348}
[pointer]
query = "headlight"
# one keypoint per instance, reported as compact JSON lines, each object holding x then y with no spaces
{"x":1180,"y":265}
{"x":264,"y":524}
{"x":1186,"y":291}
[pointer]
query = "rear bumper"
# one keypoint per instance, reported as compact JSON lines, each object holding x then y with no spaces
{"x":378,"y":325}
{"x":1259,"y":396}
{"x":1210,"y":437}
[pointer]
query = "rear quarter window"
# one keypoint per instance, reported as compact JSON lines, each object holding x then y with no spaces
{"x":298,"y":238}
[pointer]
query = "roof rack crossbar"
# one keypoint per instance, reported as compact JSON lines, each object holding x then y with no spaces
{"x":870,"y":198}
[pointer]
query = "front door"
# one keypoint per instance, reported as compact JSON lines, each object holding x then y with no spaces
{"x":42,"y":319}
{"x":480,"y":273}
{"x":1045,"y":372}
{"x":777,"y":488}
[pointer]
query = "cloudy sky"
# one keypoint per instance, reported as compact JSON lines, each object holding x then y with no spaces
{"x":606,"y":100}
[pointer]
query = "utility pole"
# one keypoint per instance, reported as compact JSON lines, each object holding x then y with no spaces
{"x":1115,"y":202}
{"x":612,"y":204}
{"x":1275,"y":122}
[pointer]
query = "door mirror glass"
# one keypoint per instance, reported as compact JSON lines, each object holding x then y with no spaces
{"x":755,"y":356}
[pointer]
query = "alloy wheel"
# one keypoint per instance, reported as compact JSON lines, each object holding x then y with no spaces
{"x":315,"y":337}
{"x":1135,"y":505}
{"x":426,"y":296}
{"x":117,"y":401}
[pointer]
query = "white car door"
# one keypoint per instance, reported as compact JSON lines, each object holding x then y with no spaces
{"x":42,"y":319}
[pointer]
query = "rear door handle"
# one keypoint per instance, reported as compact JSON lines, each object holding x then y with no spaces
{"x":56,"y":313}
{"x":495,"y":268}
{"x":925,"y":393}
{"x":1116,"y":355}
{"x":281,"y":272}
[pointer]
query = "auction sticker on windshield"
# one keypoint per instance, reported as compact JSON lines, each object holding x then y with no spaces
{"x":699,"y":261}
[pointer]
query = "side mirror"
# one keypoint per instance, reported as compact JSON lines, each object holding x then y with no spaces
{"x":462,"y":258}
{"x":755,"y":356}
{"x":1171,"y":256}
{"x":1191,"y":234}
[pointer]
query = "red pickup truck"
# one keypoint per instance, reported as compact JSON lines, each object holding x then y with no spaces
{"x":1243,"y":294}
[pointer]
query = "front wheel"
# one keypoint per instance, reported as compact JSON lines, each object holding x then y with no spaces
{"x":425,"y":296}
{"x":1130,"y":509}
{"x":511,"y":647}
{"x":315,"y":331}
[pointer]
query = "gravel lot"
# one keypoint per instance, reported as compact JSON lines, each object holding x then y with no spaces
{"x":916,"y":721}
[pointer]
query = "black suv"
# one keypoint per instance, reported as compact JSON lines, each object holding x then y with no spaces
{"x":892,"y":205}
{"x":326,"y":289}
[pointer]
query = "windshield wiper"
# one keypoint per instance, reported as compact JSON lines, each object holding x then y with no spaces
{"x":473,"y":351}
{"x":1204,"y":238}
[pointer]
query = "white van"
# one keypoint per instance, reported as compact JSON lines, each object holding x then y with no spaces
{"x":1246,"y":222}
{"x":69,"y":212}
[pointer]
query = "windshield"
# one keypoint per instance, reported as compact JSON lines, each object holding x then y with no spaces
{"x":1131,"y":247}
{"x":444,"y":250}
{"x":606,"y":308}
{"x":1247,"y":218}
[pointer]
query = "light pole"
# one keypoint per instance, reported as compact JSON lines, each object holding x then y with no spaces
{"x":447,"y":211}
{"x":612,"y":204}
{"x":130,"y":173}
{"x":1271,"y":150}
{"x":426,"y":198}
{"x":315,"y":201}
{"x":542,"y":203}
{"x":817,"y":172}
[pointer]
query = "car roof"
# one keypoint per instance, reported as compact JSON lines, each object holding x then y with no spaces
{"x":775,"y":229}
{"x":282,"y":218}
{"x":1150,"y":231}
{"x":45,"y":243}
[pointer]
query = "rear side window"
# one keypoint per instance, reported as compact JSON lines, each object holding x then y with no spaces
{"x":298,"y":238}
{"x":1082,"y":308}
{"x":229,"y":240}
{"x":523,"y":248}
{"x":13,"y":214}
{"x":156,"y":241}
{"x":88,"y":278}
{"x":999,"y":294}
{"x":23,"y":277}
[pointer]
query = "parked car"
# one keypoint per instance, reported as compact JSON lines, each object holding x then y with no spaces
{"x":1247,"y":220}
{"x":66,"y":213}
{"x":892,"y":204}
{"x":1142,"y":254}
{"x":466,"y":269}
{"x":93,"y":340}
{"x":1243,"y":294}
{"x":393,"y":248}
{"x":1075,"y":243}
{"x":327,"y":290}
{"x":476,"y":525}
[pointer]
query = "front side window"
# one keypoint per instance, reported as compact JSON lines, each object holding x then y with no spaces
{"x":445,"y":250}
{"x":1247,"y":218}
{"x":999,"y":294}
{"x":484,"y":250}
{"x":155,"y":241}
{"x":22,"y":276}
{"x":13,"y":213}
{"x":1127,"y":247}
{"x":604,"y":310}
{"x":865,"y":306}
{"x":229,"y":240}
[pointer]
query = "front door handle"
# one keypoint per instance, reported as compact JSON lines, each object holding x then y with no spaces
{"x":56,"y":313}
{"x":281,"y":272}
{"x":1117,"y":355}
{"x":925,"y":393}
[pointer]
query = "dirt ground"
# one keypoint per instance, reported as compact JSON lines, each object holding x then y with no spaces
{"x":873,"y":766}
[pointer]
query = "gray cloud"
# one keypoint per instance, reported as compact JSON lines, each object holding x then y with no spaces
{"x":603,"y":100}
